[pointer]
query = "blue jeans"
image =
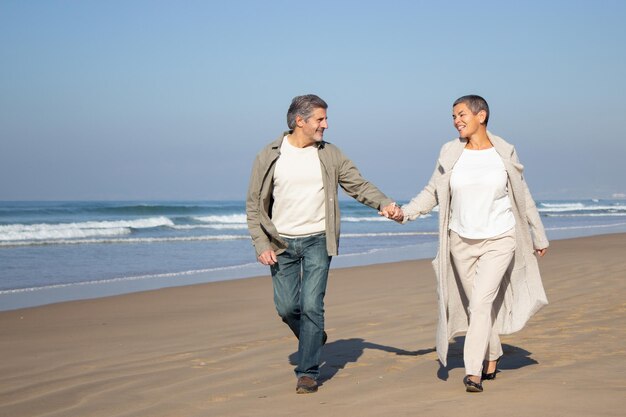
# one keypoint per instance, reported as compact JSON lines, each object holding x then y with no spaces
{"x":299,"y":279}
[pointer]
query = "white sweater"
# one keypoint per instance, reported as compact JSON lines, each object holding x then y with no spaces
{"x":480,"y":204}
{"x":298,"y":192}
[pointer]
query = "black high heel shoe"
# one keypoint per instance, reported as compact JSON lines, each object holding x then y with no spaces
{"x":491,"y":375}
{"x":471,"y":386}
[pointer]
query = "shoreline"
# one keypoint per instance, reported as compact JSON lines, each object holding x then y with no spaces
{"x":220,"y":349}
{"x":40,"y":296}
{"x":60,"y":293}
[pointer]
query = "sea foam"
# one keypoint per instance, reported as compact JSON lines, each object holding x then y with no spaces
{"x":231,"y":218}
{"x":42,"y":231}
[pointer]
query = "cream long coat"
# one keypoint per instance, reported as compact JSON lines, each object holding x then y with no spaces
{"x":521,"y":293}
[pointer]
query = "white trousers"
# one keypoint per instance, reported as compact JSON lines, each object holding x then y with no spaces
{"x":481,"y":264}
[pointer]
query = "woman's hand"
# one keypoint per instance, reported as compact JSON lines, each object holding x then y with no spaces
{"x":393,"y":212}
{"x":541,"y":252}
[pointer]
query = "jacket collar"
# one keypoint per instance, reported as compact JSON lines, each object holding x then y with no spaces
{"x":278,"y":142}
{"x":504,"y":149}
{"x":448,"y":159}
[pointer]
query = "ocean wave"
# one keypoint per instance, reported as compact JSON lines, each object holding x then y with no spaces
{"x":149,"y":208}
{"x":81,"y":241}
{"x":45,"y":231}
{"x":569,"y":205}
{"x":586,"y":214}
{"x":222,"y":221}
{"x":229,"y":219}
{"x":388,"y":234}
{"x":232,"y":226}
{"x":122,"y":240}
{"x":10,"y":238}
{"x":590,"y":226}
{"x":104,"y":208}
{"x":354,"y":219}
{"x":562,"y":207}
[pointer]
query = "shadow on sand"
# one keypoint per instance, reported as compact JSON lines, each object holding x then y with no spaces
{"x":514,"y":358}
{"x":337,"y":354}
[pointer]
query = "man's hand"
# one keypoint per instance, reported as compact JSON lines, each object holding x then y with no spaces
{"x":268,"y":257}
{"x":541,"y":252}
{"x":392,"y":211}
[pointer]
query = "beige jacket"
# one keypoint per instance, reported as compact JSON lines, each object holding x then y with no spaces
{"x":521,"y":293}
{"x":337,"y":170}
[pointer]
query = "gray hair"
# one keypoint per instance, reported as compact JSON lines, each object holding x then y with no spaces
{"x":475,"y":104}
{"x":303,"y":106}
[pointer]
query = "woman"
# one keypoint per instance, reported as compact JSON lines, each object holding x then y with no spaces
{"x":488,"y":277}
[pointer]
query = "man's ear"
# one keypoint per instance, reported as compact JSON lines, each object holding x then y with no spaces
{"x":299,"y":121}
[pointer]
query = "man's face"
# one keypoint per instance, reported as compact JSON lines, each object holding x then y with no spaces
{"x":313,"y":127}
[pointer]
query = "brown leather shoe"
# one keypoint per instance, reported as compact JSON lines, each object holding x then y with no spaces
{"x":306,"y":385}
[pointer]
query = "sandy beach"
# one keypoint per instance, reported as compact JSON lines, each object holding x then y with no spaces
{"x":219,"y":349}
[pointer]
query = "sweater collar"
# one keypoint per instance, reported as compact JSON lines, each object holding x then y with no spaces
{"x":279,"y":141}
{"x":449,"y":158}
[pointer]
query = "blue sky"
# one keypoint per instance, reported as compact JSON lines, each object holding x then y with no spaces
{"x":153,"y":100}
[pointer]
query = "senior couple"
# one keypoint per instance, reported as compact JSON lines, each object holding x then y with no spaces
{"x":488,"y":280}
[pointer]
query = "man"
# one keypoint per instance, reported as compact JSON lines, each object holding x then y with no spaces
{"x":293,"y":219}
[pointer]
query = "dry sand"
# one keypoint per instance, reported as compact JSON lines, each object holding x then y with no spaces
{"x":219,"y":349}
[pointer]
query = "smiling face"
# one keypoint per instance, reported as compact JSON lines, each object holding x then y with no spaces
{"x":313,"y":127}
{"x":466,"y":122}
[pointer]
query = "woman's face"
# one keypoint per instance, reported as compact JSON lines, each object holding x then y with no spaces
{"x":466,"y":122}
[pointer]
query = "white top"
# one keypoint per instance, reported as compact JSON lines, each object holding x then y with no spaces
{"x":298,"y":192}
{"x":480,"y":206}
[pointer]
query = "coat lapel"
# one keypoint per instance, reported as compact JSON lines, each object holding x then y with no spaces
{"x":449,"y":158}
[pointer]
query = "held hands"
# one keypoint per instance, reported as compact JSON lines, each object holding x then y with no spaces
{"x":393,"y":212}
